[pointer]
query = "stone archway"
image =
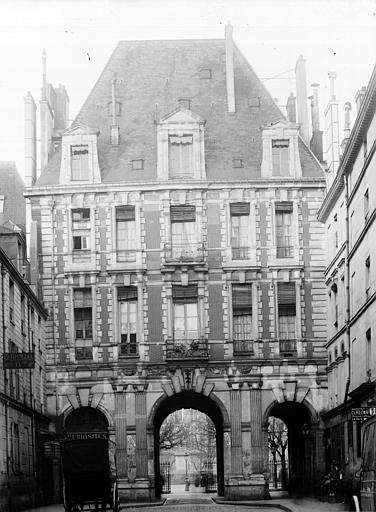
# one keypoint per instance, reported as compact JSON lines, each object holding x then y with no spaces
{"x":202,"y":403}
{"x":301,"y":422}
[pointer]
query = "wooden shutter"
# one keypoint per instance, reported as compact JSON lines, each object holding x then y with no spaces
{"x":239,"y":209}
{"x":127,"y":293}
{"x":183,"y":213}
{"x":125,"y":213}
{"x":284,"y":207}
{"x":286,"y":299}
{"x":280,"y":143}
{"x":185,"y":293}
{"x":242,"y":297}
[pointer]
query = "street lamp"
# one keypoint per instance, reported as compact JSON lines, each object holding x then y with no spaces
{"x":186,"y":457}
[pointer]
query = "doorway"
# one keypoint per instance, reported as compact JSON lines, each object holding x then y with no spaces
{"x":194,"y":423}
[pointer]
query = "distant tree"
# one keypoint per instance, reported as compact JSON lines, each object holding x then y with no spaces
{"x":172,"y":434}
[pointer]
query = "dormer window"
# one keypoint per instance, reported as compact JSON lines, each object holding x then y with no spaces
{"x":180,"y":155}
{"x":280,"y":150}
{"x":181,"y":145}
{"x":80,"y":163}
{"x":79,"y":155}
{"x":280,"y":154}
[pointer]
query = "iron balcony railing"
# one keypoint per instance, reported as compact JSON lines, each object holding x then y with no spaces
{"x":284,"y":247}
{"x":240,"y":253}
{"x":187,"y":349}
{"x":126,"y":255}
{"x":185,"y":253}
{"x":128,"y":349}
{"x":243,"y":347}
{"x":288,"y":345}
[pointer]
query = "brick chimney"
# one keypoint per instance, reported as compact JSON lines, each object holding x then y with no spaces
{"x":346,"y":128}
{"x":291,"y":108}
{"x":30,"y":140}
{"x":317,"y":134}
{"x":301,"y":96}
{"x":331,"y":133}
{"x":230,"y":81}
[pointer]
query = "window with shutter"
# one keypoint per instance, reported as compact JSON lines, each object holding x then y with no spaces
{"x":280,"y":155}
{"x":242,"y":317}
{"x":186,"y":322}
{"x":286,"y":311}
{"x":180,"y":155}
{"x":183,"y":232}
{"x":83,"y":322}
{"x":80,"y":163}
{"x":239,"y":218}
{"x":127,"y":301}
{"x":283,"y":220}
{"x":125,"y":233}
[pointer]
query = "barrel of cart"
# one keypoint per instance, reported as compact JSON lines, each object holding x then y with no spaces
{"x":89,"y":474}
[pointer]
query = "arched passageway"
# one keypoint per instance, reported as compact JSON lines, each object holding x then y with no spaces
{"x":291,"y":447}
{"x":199,"y":402}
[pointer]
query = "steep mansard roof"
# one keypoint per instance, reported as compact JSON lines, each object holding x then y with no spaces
{"x":151,"y":77}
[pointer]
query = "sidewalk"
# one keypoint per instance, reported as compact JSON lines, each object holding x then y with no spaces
{"x":210,"y":503}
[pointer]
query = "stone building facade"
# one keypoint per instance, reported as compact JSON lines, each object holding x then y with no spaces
{"x":348,"y":212}
{"x":182,"y":261}
{"x":24,"y":471}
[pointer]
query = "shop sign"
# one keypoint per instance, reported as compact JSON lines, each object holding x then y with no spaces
{"x":80,"y":436}
{"x":362,"y":413}
{"x":52,"y":450}
{"x":17,"y":360}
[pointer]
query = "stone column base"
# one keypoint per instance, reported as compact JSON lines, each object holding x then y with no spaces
{"x":141,"y":490}
{"x":252,"y":488}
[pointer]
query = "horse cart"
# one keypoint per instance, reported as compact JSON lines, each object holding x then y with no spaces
{"x":89,"y":474}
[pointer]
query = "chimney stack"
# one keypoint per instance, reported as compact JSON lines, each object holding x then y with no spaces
{"x":332,"y":133}
{"x":359,"y":97}
{"x":301,"y":95}
{"x":291,"y":108}
{"x":230,"y":85}
{"x":317,"y":134}
{"x":114,"y":130}
{"x":346,"y":129}
{"x":30,"y":140}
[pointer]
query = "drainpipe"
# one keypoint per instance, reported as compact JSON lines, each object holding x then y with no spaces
{"x":348,"y":294}
{"x":31,"y":397}
{"x":3,"y":274}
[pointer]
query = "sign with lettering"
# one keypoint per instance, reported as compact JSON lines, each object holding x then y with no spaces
{"x":17,"y":360}
{"x":52,"y":450}
{"x":78,"y":436}
{"x":362,"y":413}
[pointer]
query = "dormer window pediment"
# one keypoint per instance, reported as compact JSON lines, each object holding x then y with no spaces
{"x":181,"y":145}
{"x":79,"y":159}
{"x":280,"y":150}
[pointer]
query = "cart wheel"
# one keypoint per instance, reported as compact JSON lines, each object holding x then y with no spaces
{"x":115,"y":498}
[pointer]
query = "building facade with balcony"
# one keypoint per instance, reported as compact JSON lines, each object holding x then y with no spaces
{"x":348,"y":212}
{"x":182,"y":261}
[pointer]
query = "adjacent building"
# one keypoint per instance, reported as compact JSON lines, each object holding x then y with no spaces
{"x":24,"y":471}
{"x":348,"y":213}
{"x":182,"y":263}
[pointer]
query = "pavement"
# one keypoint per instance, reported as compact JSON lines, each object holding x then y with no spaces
{"x":196,"y":502}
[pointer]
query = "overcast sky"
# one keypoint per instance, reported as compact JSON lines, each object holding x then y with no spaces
{"x":79,"y":36}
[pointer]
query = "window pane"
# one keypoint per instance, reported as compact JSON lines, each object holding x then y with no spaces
{"x":242,"y":327}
